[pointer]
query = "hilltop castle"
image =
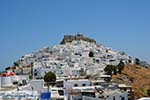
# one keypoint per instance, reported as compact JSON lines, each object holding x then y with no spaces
{"x":79,"y":36}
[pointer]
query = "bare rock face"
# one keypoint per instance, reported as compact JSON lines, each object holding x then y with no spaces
{"x":78,"y":37}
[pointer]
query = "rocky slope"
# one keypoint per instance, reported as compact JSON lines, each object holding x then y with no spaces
{"x":137,"y":76}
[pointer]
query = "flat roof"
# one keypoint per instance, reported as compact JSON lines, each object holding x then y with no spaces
{"x":97,"y":81}
{"x":144,"y":98}
{"x":124,"y":85}
{"x":78,"y":80}
{"x":86,"y":87}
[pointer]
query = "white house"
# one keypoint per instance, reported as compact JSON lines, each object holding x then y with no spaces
{"x":97,"y":93}
{"x":6,"y":80}
{"x":77,"y":83}
{"x":115,"y":95}
{"x":22,"y":95}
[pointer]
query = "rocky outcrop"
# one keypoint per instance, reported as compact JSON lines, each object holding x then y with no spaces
{"x":78,"y":37}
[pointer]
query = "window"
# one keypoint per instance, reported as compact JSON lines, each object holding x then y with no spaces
{"x":96,"y":84}
{"x":89,"y":94}
{"x":84,"y":84}
{"x":75,"y":85}
{"x":15,"y":82}
{"x":35,"y":72}
{"x":122,"y":98}
{"x":114,"y":98}
{"x":61,"y":92}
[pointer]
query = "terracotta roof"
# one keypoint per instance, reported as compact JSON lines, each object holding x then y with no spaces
{"x":8,"y":74}
{"x":5,"y":74}
{"x":12,"y":74}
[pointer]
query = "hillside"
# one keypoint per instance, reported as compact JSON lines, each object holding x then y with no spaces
{"x":75,"y":54}
{"x":136,"y":76}
{"x":76,"y":47}
{"x":79,"y":55}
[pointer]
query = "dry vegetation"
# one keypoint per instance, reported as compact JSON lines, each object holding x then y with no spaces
{"x":136,"y":76}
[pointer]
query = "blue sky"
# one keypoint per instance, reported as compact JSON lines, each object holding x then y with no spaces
{"x":28,"y":25}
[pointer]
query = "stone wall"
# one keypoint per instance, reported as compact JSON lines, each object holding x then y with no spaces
{"x":78,"y":37}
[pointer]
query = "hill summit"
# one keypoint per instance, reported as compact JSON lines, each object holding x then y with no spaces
{"x":78,"y":37}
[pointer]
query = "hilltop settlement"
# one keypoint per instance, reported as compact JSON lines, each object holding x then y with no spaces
{"x":83,"y":70}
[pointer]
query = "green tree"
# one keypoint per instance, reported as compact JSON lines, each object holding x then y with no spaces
{"x":148,"y":92}
{"x":108,"y":69}
{"x":114,"y":70}
{"x":120,"y":67}
{"x":50,"y":79}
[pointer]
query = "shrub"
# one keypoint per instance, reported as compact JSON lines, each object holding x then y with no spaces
{"x":148,"y":92}
{"x":120,"y":67}
{"x":109,"y":69}
{"x":50,"y":79}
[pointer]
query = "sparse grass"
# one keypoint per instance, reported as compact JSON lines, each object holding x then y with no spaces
{"x":140,"y":77}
